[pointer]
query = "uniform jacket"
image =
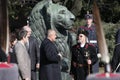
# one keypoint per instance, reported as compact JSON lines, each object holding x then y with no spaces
{"x":79,"y":56}
{"x":91,"y":30}
{"x":92,"y":38}
{"x":23,"y":60}
{"x":49,"y":60}
{"x":34,"y":52}
{"x":92,"y":33}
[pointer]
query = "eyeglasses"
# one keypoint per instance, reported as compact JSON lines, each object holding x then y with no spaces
{"x":29,"y":31}
{"x":80,"y":36}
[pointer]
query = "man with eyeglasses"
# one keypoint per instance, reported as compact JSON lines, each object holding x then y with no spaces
{"x":23,"y":59}
{"x":83,"y":57}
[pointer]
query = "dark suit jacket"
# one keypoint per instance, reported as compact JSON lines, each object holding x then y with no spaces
{"x":116,"y":58}
{"x":34,"y":52}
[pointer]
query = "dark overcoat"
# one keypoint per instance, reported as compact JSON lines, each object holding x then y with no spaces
{"x":116,"y":59}
{"x":49,"y":61}
{"x":117,"y":36}
{"x":34,"y":52}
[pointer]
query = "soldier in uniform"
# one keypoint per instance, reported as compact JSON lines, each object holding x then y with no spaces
{"x":83,"y":57}
{"x":90,"y":27}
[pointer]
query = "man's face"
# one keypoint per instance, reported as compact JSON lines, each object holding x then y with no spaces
{"x":25,"y":39}
{"x":53,"y":36}
{"x":81,"y":38}
{"x":89,"y":21}
{"x":14,"y":42}
{"x":29,"y":32}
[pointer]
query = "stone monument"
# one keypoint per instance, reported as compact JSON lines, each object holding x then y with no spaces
{"x":47,"y":15}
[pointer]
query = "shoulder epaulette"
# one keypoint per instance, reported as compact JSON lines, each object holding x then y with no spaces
{"x":91,"y":44}
{"x":76,"y":46}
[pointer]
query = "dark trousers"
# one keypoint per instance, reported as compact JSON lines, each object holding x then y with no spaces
{"x":81,"y":73}
{"x":33,"y":75}
{"x":95,"y":67}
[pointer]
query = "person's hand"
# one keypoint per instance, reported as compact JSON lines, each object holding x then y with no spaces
{"x":72,"y":76}
{"x":60,"y":55}
{"x":74,"y":64}
{"x":89,"y":61}
{"x":37,"y":65}
{"x":26,"y":79}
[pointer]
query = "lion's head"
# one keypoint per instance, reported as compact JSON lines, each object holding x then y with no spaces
{"x":46,"y":15}
{"x":60,"y":16}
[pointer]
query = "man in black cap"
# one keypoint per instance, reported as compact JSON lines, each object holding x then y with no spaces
{"x":90,"y":27}
{"x":89,"y":16}
{"x":83,"y":57}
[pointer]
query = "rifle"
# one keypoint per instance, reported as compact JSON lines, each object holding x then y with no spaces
{"x":88,"y":57}
{"x":116,"y":68}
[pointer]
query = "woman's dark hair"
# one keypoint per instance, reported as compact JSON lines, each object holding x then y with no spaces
{"x":13,"y":37}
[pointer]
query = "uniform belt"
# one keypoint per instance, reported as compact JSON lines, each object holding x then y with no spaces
{"x":93,"y":41}
{"x":80,"y":65}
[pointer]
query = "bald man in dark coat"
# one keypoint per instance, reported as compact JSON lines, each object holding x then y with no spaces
{"x":50,"y":58}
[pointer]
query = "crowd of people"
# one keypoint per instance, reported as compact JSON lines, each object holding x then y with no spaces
{"x":30,"y":56}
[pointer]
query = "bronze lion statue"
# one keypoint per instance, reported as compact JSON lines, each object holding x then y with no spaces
{"x":47,"y":15}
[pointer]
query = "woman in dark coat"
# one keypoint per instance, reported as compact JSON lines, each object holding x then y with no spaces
{"x":49,"y":58}
{"x":83,"y":57}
